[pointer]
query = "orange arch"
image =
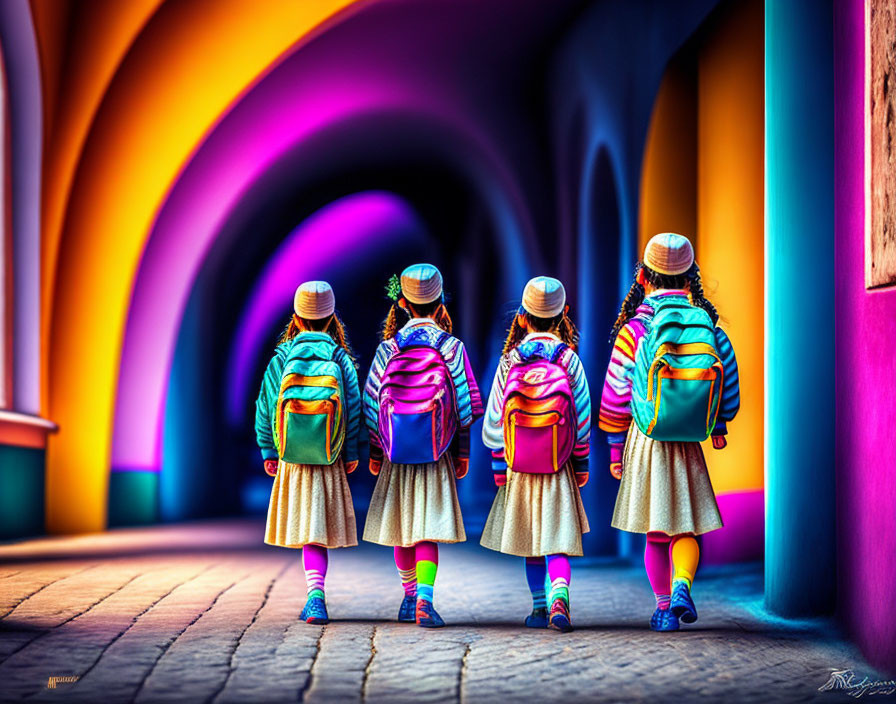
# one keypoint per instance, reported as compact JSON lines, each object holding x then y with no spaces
{"x":190,"y":62}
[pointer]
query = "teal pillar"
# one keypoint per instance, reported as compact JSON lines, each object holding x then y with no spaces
{"x":799,"y":250}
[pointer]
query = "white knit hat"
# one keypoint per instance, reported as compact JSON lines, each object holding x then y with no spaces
{"x":421,"y":283}
{"x":544,"y":297}
{"x":314,"y":300}
{"x":668,"y":253}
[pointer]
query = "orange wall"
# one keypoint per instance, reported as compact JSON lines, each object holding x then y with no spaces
{"x":187,"y":64}
{"x":730,"y":219}
{"x":669,"y":171}
{"x":703,"y":176}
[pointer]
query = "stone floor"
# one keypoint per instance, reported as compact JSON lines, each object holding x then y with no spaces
{"x":204,"y":613}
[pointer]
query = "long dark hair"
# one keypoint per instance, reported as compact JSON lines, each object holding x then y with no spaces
{"x":635,"y":297}
{"x":435,"y":310}
{"x":561,"y":325}
{"x":332,"y":325}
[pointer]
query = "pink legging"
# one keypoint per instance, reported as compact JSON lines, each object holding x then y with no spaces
{"x":315,"y":560}
{"x":658,"y":563}
{"x":407,"y":558}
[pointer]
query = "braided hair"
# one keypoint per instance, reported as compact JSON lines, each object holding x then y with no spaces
{"x":561,"y":325}
{"x":689,"y":280}
{"x":435,"y":310}
{"x":332,"y":325}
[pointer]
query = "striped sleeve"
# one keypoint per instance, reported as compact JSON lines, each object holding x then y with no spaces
{"x":493,"y":424}
{"x":582,"y":398}
{"x":730,"y":403}
{"x":615,"y":402}
{"x":352,"y":405}
{"x":469,"y":399}
{"x":266,"y":402}
{"x":370,"y":400}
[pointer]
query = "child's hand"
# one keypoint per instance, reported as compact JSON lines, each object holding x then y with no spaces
{"x":581,"y":479}
{"x":270,"y":467}
{"x":616,"y":469}
{"x":500,"y":479}
{"x":616,"y":452}
{"x":461,"y":467}
{"x":375,"y":466}
{"x":351,"y":466}
{"x":719,"y":442}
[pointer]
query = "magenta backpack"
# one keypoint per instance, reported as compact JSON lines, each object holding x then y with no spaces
{"x":539,"y":412}
{"x":417,"y":413}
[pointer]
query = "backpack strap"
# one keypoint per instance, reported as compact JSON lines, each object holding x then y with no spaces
{"x":558,"y":351}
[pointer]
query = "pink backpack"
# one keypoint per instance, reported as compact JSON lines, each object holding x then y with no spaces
{"x":417,"y":414}
{"x":539,"y":415}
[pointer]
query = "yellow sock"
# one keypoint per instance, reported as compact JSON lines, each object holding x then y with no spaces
{"x":685,"y":557}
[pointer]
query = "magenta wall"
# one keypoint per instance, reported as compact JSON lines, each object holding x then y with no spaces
{"x":866,"y":377}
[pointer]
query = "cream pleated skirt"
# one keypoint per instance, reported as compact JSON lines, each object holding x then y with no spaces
{"x":415,"y":502}
{"x":665,"y":487}
{"x":537,"y":514}
{"x":311,"y":504}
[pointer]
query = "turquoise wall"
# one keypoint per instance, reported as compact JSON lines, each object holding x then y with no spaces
{"x":799,"y":251}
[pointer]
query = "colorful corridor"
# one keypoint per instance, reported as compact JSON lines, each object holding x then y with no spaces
{"x":175,"y":168}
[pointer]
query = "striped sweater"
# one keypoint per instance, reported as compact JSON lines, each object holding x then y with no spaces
{"x":615,"y":405}
{"x":266,"y":404}
{"x":468,"y":398}
{"x":493,"y":425}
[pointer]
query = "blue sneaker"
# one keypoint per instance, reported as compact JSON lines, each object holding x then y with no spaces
{"x":538,"y":618}
{"x":559,"y":618}
{"x":406,"y":610}
{"x":663,"y":620}
{"x":315,"y":611}
{"x":681,"y":603}
{"x":426,"y":616}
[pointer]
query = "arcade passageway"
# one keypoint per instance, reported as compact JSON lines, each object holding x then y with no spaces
{"x":203,"y":613}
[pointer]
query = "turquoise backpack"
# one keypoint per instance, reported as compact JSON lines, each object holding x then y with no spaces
{"x":309,"y":422}
{"x":678,"y":373}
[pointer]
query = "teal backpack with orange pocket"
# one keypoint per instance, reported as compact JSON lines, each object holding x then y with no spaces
{"x":677,"y":385}
{"x":309,"y":422}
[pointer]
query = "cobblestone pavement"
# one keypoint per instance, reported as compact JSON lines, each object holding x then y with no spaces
{"x":204,"y":613}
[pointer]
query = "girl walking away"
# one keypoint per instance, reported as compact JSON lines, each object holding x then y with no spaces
{"x":537,"y":424}
{"x":307,"y":423}
{"x":419,"y":402}
{"x":673,"y":372}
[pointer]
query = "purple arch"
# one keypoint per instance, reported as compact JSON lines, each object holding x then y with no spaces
{"x":330,"y":81}
{"x":355,"y":224}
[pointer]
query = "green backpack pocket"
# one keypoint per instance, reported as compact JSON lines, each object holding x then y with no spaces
{"x":684,"y":389}
{"x":309,"y":425}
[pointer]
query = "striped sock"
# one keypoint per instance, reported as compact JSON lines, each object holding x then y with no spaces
{"x":560,"y":590}
{"x":427,"y":566}
{"x":406,"y":562}
{"x":315,"y":559}
{"x":559,"y":574}
{"x":409,"y":581}
{"x":662,"y":601}
{"x":536,"y":572}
